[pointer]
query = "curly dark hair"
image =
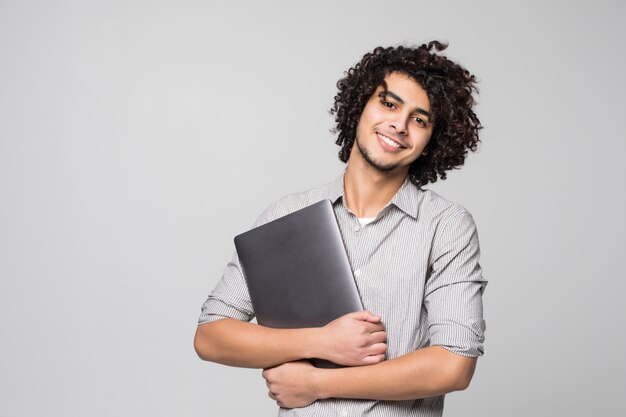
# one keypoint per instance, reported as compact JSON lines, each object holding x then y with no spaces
{"x":449,"y":87}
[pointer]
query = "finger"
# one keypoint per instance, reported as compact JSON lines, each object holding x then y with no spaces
{"x":377,"y":349}
{"x":374,"y":327}
{"x":373,"y":359}
{"x":377,"y":337}
{"x":371,"y":317}
{"x":364,"y":315}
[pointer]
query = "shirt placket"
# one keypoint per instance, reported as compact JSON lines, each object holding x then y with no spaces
{"x":355,"y":239}
{"x":354,"y":242}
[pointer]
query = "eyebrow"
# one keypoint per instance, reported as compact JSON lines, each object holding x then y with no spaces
{"x":399,"y":99}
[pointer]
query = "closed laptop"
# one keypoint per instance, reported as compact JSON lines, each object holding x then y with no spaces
{"x":297,"y":270}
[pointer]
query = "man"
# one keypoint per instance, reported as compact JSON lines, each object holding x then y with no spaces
{"x":404,"y":117}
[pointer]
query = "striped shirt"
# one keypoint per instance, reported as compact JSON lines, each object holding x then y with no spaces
{"x":415,"y":265}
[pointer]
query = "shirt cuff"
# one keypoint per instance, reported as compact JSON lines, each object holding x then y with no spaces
{"x":465,"y":339}
{"x":215,"y":309}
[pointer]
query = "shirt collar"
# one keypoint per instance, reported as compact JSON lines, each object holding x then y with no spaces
{"x":406,"y":199}
{"x":335,"y":189}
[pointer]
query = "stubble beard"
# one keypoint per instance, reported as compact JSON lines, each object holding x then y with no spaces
{"x":378,"y":165}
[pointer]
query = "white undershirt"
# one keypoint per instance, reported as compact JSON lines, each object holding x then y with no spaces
{"x":366,"y":220}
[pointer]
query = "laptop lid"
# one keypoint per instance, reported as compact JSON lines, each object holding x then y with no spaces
{"x":297,"y":269}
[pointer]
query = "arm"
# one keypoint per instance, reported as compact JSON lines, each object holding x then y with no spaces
{"x":424,"y":373}
{"x":453,"y":304}
{"x":354,"y":339}
{"x":237,"y":343}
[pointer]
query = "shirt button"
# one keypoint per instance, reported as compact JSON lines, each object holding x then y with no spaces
{"x":357,"y":273}
{"x":356,"y":228}
{"x":344,"y":413}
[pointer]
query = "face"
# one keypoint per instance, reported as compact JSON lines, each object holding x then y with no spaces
{"x":394,"y":127}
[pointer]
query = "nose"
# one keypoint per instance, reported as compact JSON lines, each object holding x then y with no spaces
{"x":400,"y":125}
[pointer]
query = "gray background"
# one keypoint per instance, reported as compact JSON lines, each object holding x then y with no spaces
{"x":138,"y":137}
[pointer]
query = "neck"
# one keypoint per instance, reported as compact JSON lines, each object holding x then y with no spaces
{"x":368,"y":190}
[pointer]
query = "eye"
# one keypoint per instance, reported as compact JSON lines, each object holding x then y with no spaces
{"x":421,"y":121}
{"x":388,"y":104}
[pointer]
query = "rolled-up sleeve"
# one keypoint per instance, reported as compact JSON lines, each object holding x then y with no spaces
{"x":230,"y":298}
{"x":454,"y":289}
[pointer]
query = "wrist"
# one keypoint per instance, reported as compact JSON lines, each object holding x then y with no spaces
{"x":318,"y":385}
{"x":309,"y":343}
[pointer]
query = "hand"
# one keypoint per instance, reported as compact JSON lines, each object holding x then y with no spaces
{"x":291,"y":384}
{"x":354,"y":339}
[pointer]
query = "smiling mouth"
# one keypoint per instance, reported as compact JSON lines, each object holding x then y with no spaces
{"x":389,"y":141}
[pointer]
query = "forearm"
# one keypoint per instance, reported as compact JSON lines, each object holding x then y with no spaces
{"x":424,"y":373}
{"x":354,"y":339}
{"x":237,"y":343}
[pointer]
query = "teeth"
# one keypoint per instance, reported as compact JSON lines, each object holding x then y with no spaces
{"x":388,"y":141}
